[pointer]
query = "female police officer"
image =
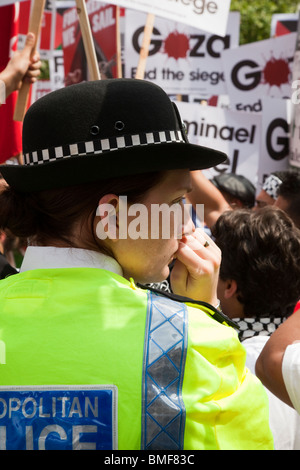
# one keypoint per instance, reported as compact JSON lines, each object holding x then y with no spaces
{"x":90,"y":357}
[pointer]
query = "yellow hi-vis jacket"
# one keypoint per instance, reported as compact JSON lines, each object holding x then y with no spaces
{"x":90,"y":361}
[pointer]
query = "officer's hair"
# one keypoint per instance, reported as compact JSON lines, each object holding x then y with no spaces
{"x":261,"y":252}
{"x":52,"y":214}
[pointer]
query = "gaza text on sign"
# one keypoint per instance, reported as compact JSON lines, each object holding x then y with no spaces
{"x":181,"y":59}
{"x":259,"y":69}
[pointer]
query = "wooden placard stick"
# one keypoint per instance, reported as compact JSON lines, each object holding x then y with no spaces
{"x":35,"y":23}
{"x":118,"y":43}
{"x":144,"y":52}
{"x":88,"y":42}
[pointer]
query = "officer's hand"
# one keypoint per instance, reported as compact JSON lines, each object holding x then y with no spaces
{"x":196,"y":270}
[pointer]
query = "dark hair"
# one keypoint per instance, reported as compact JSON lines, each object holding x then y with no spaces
{"x":51,"y":214}
{"x":290,"y":191}
{"x":261,"y":252}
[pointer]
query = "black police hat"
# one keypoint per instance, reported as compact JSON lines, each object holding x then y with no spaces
{"x":101,"y":129}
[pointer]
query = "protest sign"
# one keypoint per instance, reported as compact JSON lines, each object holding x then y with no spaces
{"x":209,"y":15}
{"x":295,"y":119}
{"x":10,"y":2}
{"x":274,"y":155}
{"x":182,"y":59}
{"x":235,"y":133}
{"x":284,"y":23}
{"x":103,"y":26}
{"x":259,"y":69}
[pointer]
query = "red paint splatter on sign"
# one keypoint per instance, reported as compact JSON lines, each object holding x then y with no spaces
{"x":276,"y":72}
{"x":177,"y":45}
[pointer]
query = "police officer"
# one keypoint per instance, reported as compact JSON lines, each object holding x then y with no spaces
{"x":90,"y":357}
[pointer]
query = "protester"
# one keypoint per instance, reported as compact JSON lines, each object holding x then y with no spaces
{"x":206,"y":193}
{"x":288,"y":197}
{"x":168,"y":372}
{"x":258,"y":288}
{"x":256,"y":246}
{"x":268,"y":194}
{"x":7,"y":267}
{"x":21,"y":67}
{"x":236,"y":189}
{"x":278,"y":364}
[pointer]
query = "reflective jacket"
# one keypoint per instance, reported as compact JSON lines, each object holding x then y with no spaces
{"x":91,"y":361}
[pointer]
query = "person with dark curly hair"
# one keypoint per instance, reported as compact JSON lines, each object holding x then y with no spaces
{"x":288,"y":196}
{"x":256,"y":247}
{"x":259,"y":286}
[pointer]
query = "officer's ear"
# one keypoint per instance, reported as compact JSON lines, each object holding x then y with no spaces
{"x":106,"y":220}
{"x":230,"y":288}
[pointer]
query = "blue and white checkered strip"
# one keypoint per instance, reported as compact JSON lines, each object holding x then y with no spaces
{"x":99,"y":146}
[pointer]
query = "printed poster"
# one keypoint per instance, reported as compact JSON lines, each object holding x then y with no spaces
{"x":182,"y":59}
{"x":275,"y":148}
{"x":103,"y":26}
{"x":259,"y":69}
{"x":209,"y":15}
{"x":295,"y":120}
{"x":284,"y":23}
{"x":238,"y":134}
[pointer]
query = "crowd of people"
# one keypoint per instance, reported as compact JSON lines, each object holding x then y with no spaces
{"x":210,"y":362}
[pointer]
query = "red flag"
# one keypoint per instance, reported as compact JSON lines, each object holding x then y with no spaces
{"x":10,"y":130}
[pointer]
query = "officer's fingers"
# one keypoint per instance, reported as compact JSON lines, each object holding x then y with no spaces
{"x":193,"y":276}
{"x":197,"y":260}
{"x":203,"y":246}
{"x":178,"y":277}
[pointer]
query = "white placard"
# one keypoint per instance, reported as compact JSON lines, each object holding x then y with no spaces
{"x":209,"y":15}
{"x":259,"y":69}
{"x":182,"y":59}
{"x":274,"y":155}
{"x":238,"y":134}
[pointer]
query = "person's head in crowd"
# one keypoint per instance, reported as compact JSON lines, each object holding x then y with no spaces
{"x":288,"y":197}
{"x":268,"y":194}
{"x":260,"y":267}
{"x":236,"y":189}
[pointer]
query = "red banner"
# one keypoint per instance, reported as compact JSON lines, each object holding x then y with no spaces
{"x":103,"y":25}
{"x":10,"y":130}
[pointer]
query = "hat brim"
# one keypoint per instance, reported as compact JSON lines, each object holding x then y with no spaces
{"x":96,"y":167}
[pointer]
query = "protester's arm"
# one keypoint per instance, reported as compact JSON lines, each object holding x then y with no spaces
{"x":21,"y":67}
{"x":204,"y":192}
{"x":269,"y":363}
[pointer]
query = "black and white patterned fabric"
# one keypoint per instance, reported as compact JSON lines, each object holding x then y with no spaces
{"x":256,"y":326}
{"x":164,"y":286}
{"x":271,"y":186}
{"x":99,"y":146}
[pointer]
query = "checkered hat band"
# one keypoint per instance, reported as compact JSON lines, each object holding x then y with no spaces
{"x":102,"y":145}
